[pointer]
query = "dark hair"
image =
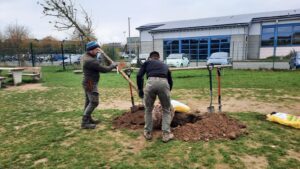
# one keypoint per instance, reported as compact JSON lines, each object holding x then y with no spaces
{"x":154,"y":53}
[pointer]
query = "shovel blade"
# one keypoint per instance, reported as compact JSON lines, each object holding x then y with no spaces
{"x":136,"y":108}
{"x":211,"y":109}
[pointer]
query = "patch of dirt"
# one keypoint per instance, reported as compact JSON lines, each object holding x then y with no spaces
{"x":229,"y":104}
{"x":2,"y":130}
{"x":25,"y":156}
{"x":254,"y":161}
{"x":29,"y":124}
{"x":69,"y":141}
{"x":293,"y":154}
{"x":115,"y":104}
{"x":252,"y":144}
{"x":41,"y":161}
{"x":133,"y":146}
{"x":222,"y":166}
{"x":27,"y":87}
{"x":244,"y":105}
{"x":188,"y":127}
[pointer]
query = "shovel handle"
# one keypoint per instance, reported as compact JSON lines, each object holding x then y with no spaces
{"x":106,"y":56}
{"x":120,"y":70}
{"x":129,"y":80}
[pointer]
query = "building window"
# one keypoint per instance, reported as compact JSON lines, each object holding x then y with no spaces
{"x":280,"y":35}
{"x":267,"y":37}
{"x":197,"y":48}
{"x":284,"y":35}
{"x":296,"y":35}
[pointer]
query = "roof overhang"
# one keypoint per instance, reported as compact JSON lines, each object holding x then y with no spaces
{"x":274,"y":18}
{"x":149,"y":27}
{"x":199,"y":28}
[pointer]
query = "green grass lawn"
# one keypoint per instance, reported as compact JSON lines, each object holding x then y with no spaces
{"x":41,"y":128}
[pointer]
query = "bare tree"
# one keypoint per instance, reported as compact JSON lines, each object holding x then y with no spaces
{"x":65,"y":14}
{"x":16,"y":33}
{"x":17,"y":36}
{"x":1,"y":37}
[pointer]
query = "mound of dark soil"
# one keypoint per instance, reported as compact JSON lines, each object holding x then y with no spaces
{"x":189,"y":127}
{"x":210,"y":126}
{"x":130,"y":120}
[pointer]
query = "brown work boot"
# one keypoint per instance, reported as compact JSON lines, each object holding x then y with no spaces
{"x":167,"y":136}
{"x":148,"y":135}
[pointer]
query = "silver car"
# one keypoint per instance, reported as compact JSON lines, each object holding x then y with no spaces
{"x":219,"y":58}
{"x":178,"y":60}
{"x":295,"y":61}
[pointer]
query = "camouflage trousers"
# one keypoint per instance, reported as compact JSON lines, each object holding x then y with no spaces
{"x":91,"y":99}
{"x":157,"y":86}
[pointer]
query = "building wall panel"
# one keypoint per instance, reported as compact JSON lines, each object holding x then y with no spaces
{"x":280,"y":51}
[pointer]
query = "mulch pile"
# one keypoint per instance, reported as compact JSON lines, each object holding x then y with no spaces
{"x":189,"y":127}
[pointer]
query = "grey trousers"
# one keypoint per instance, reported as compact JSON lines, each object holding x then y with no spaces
{"x":157,"y":87}
{"x":91,"y":100}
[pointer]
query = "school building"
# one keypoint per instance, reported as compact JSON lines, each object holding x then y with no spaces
{"x":244,"y":37}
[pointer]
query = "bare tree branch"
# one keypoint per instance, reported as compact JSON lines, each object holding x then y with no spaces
{"x":65,"y":15}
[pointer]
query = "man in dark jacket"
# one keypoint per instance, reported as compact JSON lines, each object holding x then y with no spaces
{"x":159,"y":83}
{"x":91,"y":70}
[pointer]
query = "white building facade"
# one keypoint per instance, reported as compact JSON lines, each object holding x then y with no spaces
{"x":244,"y":37}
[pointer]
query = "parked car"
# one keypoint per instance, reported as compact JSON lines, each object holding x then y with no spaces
{"x":178,"y":60}
{"x":219,"y":58}
{"x":295,"y":61}
{"x":128,"y":56}
{"x":72,"y":59}
{"x":58,"y":57}
{"x":142,"y":58}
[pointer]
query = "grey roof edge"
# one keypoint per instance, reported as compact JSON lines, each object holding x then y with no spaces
{"x":199,"y":27}
{"x":256,"y":17}
{"x":148,"y":27}
{"x":261,"y":19}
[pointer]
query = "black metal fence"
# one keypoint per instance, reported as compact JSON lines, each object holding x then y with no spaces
{"x":41,"y":54}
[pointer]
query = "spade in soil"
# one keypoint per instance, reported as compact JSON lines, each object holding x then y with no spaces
{"x":211,"y":108}
{"x":133,"y":107}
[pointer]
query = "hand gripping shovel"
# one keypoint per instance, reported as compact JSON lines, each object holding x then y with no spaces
{"x":211,"y":108}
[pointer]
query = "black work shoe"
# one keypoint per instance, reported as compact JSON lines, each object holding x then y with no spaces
{"x":86,"y":123}
{"x":93,"y":121}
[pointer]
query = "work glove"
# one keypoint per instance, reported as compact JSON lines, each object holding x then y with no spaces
{"x":141,"y":94}
{"x":114,"y":65}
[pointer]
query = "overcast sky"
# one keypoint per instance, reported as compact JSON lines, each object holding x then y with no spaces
{"x":111,"y":16}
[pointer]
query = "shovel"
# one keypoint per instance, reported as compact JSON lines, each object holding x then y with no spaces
{"x":219,"y":88}
{"x":211,"y":108}
{"x":133,"y":108}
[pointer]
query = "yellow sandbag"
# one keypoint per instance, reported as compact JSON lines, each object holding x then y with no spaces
{"x":285,"y":119}
{"x":180,"y":107}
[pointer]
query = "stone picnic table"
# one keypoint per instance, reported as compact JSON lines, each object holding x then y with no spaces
{"x":16,"y":73}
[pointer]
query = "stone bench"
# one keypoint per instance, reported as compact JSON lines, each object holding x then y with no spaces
{"x":1,"y":79}
{"x":78,"y":71}
{"x":34,"y":72}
